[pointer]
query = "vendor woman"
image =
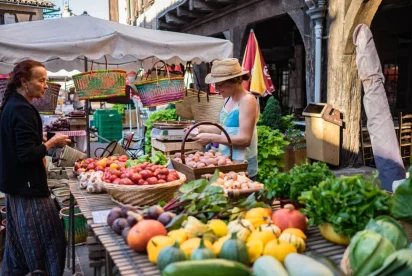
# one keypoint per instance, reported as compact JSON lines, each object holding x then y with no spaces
{"x":238,"y":116}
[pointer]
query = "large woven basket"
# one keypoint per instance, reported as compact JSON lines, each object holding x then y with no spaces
{"x":205,"y":107}
{"x":100,"y":84}
{"x":183,"y":108}
{"x":159,"y":91}
{"x":141,"y":195}
{"x":69,"y":156}
{"x":48,"y":103}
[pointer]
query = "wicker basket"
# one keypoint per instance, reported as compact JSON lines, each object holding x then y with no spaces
{"x":159,"y":91}
{"x":205,"y":107}
{"x":69,"y":156}
{"x":80,"y":224}
{"x":48,"y":103}
{"x":144,"y":194}
{"x":100,"y":84}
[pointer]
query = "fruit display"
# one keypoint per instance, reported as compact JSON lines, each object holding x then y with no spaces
{"x":113,"y":169}
{"x":235,"y":181}
{"x":60,"y":124}
{"x":204,"y":159}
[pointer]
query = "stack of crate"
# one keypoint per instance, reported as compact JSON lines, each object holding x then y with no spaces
{"x":109,"y":124}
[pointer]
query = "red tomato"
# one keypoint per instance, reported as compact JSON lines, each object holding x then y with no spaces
{"x":172,"y":177}
{"x":162,"y":177}
{"x":127,"y":181}
{"x":136,"y":177}
{"x":152,"y":180}
{"x":156,"y":172}
{"x":161,"y":181}
{"x":113,"y":178}
{"x":164,"y":171}
{"x":146,"y":174}
{"x":116,"y":181}
{"x":141,"y":182}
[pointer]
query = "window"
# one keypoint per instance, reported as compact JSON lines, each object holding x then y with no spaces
{"x":391,"y":73}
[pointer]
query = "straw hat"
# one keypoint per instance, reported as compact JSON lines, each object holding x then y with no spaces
{"x":225,"y":69}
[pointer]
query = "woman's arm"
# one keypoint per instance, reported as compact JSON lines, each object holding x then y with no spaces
{"x":209,"y":129}
{"x":248,"y":112}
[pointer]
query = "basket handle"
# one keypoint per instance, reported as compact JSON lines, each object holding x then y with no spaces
{"x":107,"y":65}
{"x":157,"y":75}
{"x":182,"y":149}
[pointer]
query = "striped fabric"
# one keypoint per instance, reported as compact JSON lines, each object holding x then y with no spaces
{"x":34,"y":237}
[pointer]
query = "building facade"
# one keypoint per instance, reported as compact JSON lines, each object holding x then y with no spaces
{"x":14,"y":11}
{"x":307,"y":45}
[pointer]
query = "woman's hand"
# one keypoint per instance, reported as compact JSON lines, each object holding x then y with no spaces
{"x":44,"y":139}
{"x":204,"y":138}
{"x":58,"y":140}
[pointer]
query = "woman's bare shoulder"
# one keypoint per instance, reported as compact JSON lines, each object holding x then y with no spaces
{"x":249,"y":99}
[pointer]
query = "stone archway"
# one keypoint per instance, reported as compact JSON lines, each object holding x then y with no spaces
{"x":343,"y":84}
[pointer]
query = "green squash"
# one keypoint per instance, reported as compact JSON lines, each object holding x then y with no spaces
{"x":202,"y":252}
{"x":170,"y":254}
{"x":235,"y":250}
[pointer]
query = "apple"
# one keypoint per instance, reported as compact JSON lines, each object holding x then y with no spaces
{"x":136,"y":177}
{"x":81,"y":170}
{"x":91,"y":166}
{"x":127,"y":181}
{"x":116,"y":181}
{"x":123,"y":158}
{"x":123,"y":175}
{"x":99,"y":168}
{"x":113,"y":178}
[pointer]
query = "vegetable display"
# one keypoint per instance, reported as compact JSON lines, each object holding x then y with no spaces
{"x":204,"y":159}
{"x":236,"y":181}
{"x":401,"y":202}
{"x":347,"y":203}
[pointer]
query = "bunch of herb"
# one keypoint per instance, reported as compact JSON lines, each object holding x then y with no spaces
{"x":302,"y":178}
{"x":270,"y":151}
{"x":200,"y":199}
{"x":161,"y":115}
{"x":347,"y":203}
{"x":276,"y":186}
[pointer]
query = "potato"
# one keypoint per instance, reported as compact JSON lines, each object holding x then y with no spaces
{"x":191,"y":164}
{"x":188,"y":160}
{"x":213,"y":161}
{"x":218,"y":154}
{"x":201,"y":165}
{"x":200,"y":153}
{"x":196,"y":158}
{"x":207,"y":161}
{"x":191,"y":155}
{"x":178,"y":155}
{"x":209,"y":154}
{"x":177,"y":159}
{"x":229,"y":162}
{"x":212,"y":151}
{"x":211,"y":166}
{"x":221,"y":162}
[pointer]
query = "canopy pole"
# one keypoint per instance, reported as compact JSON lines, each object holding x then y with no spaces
{"x":87,"y":114}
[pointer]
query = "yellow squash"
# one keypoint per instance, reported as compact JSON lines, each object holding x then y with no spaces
{"x":258,"y":216}
{"x":242,"y":227}
{"x":156,"y":244}
{"x":279,"y":249}
{"x":263,"y":236}
{"x":178,"y":235}
{"x":254,"y":249}
{"x":298,"y":242}
{"x":191,"y":244}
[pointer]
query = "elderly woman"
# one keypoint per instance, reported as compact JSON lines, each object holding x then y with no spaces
{"x":35,"y":240}
{"x":238,"y":116}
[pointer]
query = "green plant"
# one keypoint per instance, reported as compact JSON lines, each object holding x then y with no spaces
{"x":401,"y":200}
{"x":161,"y":115}
{"x":272,"y":115}
{"x":270,"y":151}
{"x":120,"y":108}
{"x":347,"y":203}
{"x":293,"y":135}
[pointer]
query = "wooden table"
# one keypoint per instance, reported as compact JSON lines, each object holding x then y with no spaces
{"x":129,"y":262}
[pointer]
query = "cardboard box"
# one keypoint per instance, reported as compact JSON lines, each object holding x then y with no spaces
{"x":77,"y":121}
{"x":77,"y":127}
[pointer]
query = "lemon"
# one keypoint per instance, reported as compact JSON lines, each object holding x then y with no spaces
{"x":219,"y":227}
{"x":254,"y":249}
{"x":296,"y":232}
{"x":178,"y":235}
{"x":279,"y":249}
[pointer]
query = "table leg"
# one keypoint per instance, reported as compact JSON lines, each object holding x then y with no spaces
{"x":69,"y":238}
{"x":72,"y":245}
{"x":109,"y":265}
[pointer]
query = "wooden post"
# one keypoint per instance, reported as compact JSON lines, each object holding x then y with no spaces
{"x":344,"y":86}
{"x":114,"y":10}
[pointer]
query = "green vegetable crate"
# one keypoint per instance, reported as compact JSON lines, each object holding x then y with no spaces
{"x":80,"y":224}
{"x":197,"y":173}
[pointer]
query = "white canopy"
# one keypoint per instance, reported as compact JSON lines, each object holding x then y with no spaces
{"x":63,"y":43}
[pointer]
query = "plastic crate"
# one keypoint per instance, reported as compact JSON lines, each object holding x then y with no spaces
{"x":105,"y":115}
{"x":110,"y":134}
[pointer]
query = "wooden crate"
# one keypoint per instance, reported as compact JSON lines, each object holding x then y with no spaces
{"x":169,"y":148}
{"x":192,"y":174}
{"x":292,"y":157}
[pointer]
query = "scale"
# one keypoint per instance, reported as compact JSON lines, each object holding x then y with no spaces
{"x":170,"y":130}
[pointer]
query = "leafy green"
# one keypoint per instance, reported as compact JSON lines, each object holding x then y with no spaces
{"x":161,"y":115}
{"x":401,"y":200}
{"x":300,"y":178}
{"x":270,"y":151}
{"x":120,"y":108}
{"x":158,"y":159}
{"x":347,"y":203}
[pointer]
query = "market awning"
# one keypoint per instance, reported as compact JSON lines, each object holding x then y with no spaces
{"x":63,"y":43}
